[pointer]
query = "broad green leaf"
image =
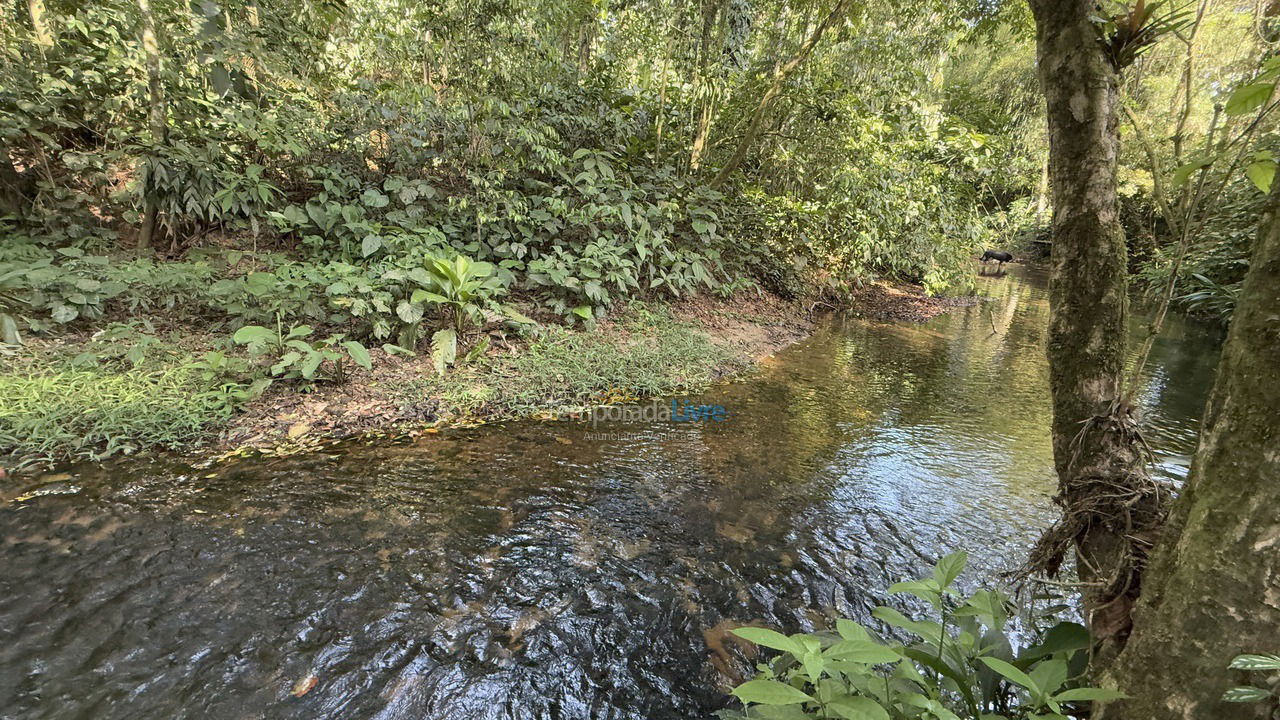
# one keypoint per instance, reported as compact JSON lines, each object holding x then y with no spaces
{"x":419,"y":296}
{"x":252,"y":334}
{"x":770,"y":639}
{"x":769,"y":692}
{"x":928,"y":590}
{"x":64,"y":313}
{"x":926,"y":629}
{"x":862,"y":651}
{"x":518,"y":316}
{"x":813,"y":663}
{"x":1049,"y":675}
{"x":930,"y":705}
{"x":950,"y":567}
{"x":374,"y":199}
{"x":9,"y":330}
{"x":358,"y":354}
{"x":1250,"y":97}
{"x":1256,"y":662}
{"x":926,"y":659}
{"x":1261,"y":172}
{"x":1011,"y":673}
{"x":583,"y":311}
{"x":444,"y":349}
{"x":850,"y":630}
{"x":1065,"y":637}
{"x":987,"y":604}
{"x":310,"y":364}
{"x":779,"y":712}
{"x":1089,"y":694}
{"x":370,"y":245}
{"x":409,"y":312}
{"x":858,"y":708}
{"x":1183,"y":173}
{"x":285,"y":362}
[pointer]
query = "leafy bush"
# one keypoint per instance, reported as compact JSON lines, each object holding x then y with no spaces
{"x":960,"y":663}
{"x":294,"y":357}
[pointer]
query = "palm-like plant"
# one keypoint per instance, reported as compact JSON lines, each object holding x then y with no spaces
{"x":462,"y":285}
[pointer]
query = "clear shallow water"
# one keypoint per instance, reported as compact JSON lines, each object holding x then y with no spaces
{"x":552,"y":570}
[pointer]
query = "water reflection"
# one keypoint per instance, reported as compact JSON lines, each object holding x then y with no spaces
{"x":536,"y":571}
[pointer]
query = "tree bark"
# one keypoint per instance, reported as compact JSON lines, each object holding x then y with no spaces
{"x":1111,"y":509}
{"x":1213,"y":588}
{"x":155,"y":119}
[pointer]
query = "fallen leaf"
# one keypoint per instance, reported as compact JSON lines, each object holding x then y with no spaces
{"x":303,"y":686}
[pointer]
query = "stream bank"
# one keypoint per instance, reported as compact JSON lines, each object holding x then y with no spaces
{"x":68,"y":399}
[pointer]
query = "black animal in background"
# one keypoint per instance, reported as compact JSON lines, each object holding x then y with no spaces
{"x":998,"y":256}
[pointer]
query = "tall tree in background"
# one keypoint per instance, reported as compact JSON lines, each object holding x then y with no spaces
{"x":1213,"y":588}
{"x":155,"y":119}
{"x":1110,"y":506}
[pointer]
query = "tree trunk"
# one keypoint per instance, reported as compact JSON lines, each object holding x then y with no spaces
{"x":1213,"y":588}
{"x":756,"y":124}
{"x":1111,"y":509}
{"x":711,"y":13}
{"x":155,"y":120}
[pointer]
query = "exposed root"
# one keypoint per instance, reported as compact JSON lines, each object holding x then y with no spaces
{"x":1112,"y":513}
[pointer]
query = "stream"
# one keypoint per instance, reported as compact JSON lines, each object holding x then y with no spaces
{"x":555,"y":570}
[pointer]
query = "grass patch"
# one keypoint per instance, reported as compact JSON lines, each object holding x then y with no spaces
{"x":96,"y":413}
{"x":647,"y":353}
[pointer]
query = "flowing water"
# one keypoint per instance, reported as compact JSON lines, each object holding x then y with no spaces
{"x":552,"y":570}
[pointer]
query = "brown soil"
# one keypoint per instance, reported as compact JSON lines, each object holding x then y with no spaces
{"x":902,"y":303}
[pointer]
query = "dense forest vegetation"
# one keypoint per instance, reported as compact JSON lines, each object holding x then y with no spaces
{"x":314,"y":180}
{"x":207,"y":205}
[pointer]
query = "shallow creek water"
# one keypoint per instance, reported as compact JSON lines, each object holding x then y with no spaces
{"x":553,"y":570}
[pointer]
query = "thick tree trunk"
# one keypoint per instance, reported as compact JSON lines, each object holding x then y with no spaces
{"x":1213,"y":588}
{"x":1110,"y":507}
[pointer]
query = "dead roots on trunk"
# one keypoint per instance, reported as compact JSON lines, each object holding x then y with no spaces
{"x":1112,"y":513}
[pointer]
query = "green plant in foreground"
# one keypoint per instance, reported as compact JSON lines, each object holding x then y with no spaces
{"x":1252,"y":693}
{"x":960,"y":665}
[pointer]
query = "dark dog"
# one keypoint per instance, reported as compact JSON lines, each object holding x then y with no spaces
{"x":998,"y":256}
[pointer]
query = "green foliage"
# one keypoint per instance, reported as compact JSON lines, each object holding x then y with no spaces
{"x":292,"y":356}
{"x":959,"y":662}
{"x":1266,"y":668}
{"x":648,"y":354}
{"x":98,"y":412}
{"x":462,"y":286}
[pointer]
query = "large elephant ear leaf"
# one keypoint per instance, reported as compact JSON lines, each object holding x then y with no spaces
{"x":444,"y":349}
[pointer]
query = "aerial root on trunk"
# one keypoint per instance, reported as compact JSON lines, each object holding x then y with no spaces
{"x":1112,"y":513}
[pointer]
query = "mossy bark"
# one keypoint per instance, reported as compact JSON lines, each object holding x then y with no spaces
{"x":1097,"y":452}
{"x":1213,"y":587}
